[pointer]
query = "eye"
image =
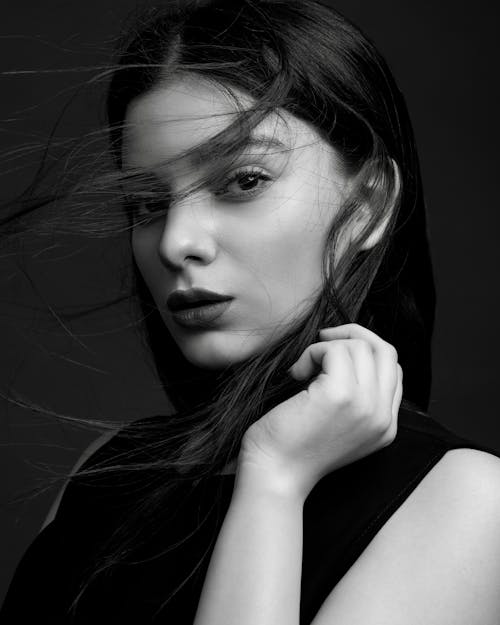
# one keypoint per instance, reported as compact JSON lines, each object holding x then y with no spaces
{"x":143,"y":208}
{"x":244,"y":183}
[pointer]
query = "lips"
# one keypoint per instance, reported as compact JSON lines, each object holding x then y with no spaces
{"x":198,"y":309}
{"x":193,"y":298}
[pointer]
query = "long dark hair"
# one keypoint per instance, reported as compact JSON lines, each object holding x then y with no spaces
{"x":305,"y":58}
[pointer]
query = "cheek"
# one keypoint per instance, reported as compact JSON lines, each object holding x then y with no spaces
{"x":282,"y":258}
{"x":298,"y":267}
{"x":289,"y":252}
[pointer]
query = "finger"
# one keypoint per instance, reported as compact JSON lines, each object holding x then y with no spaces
{"x":352,"y":331}
{"x":385,"y":354}
{"x":331,"y":358}
{"x":364,"y":365}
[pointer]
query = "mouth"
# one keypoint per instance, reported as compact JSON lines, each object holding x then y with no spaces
{"x":197,"y":307}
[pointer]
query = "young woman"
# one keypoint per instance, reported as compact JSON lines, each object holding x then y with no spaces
{"x":267,"y":173}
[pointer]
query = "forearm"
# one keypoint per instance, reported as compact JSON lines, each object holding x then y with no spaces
{"x":255,"y":570}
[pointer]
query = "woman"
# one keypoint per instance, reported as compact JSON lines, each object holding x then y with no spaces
{"x":266,"y":166}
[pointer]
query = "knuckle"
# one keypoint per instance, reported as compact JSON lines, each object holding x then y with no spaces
{"x":385,"y":441}
{"x":390,"y":434}
{"x":380,"y":428}
{"x":391,"y":350}
{"x":382,"y":423}
{"x":342,"y":395}
{"x":339,"y":347}
{"x":312,"y":346}
{"x":351,"y":326}
{"x":341,"y":399}
{"x":360,"y":343}
{"x":367,"y":346}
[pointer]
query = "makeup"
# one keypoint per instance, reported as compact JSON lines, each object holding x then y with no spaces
{"x":197,"y":307}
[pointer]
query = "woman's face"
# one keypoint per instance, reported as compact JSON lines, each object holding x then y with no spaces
{"x":258,"y":237}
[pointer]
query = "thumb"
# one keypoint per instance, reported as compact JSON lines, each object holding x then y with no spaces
{"x":310,"y":361}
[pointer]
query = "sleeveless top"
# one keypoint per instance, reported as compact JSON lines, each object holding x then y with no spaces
{"x":341,"y":515}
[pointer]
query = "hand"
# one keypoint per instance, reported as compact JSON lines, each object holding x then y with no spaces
{"x":348,"y":411}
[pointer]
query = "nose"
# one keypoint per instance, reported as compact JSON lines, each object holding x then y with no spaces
{"x":187,"y":236}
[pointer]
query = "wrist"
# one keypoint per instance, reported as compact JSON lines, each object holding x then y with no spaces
{"x":268,"y":478}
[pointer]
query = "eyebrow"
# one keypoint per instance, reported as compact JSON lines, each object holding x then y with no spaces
{"x":198,"y":158}
{"x":257,"y":141}
{"x":265,"y":141}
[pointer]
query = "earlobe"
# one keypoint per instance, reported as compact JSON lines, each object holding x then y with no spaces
{"x":377,"y":234}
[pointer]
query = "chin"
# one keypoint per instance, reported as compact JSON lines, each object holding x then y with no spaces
{"x":217,"y":350}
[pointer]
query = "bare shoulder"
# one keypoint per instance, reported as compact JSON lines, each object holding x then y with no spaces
{"x":460,"y":496}
{"x":463,"y":489}
{"x":475,"y":472}
{"x":437,"y":559}
{"x":89,"y":451}
{"x":469,"y":461}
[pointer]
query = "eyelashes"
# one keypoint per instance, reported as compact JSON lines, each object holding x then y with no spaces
{"x":244,"y":183}
{"x":142,"y":208}
{"x":241,"y":185}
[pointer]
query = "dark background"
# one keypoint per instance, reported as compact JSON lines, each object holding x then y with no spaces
{"x":445,"y":60}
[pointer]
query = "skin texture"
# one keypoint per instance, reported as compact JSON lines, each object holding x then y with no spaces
{"x":262,"y":246}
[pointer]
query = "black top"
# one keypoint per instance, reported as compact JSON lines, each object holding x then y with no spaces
{"x":342,"y":514}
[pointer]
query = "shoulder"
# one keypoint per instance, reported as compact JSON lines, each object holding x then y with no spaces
{"x":437,"y":558}
{"x":455,"y":508}
{"x":86,"y":455}
{"x":468,"y":473}
{"x":460,"y":496}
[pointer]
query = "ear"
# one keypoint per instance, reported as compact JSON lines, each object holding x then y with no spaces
{"x":365,"y":213}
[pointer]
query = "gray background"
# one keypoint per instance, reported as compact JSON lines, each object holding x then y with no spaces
{"x":444,"y":58}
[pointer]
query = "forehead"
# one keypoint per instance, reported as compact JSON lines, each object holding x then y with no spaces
{"x":172,"y":118}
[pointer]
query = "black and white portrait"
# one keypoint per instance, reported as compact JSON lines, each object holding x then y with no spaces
{"x":249,"y":313}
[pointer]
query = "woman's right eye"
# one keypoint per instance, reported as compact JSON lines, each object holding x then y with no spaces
{"x":146,"y":208}
{"x":151,"y":205}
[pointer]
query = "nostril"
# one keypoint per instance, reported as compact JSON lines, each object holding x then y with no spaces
{"x":175,"y":254}
{"x":186,"y":238}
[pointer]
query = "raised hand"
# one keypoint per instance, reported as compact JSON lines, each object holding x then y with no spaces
{"x":348,"y":411}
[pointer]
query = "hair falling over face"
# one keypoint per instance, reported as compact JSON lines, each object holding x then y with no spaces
{"x":264,"y":65}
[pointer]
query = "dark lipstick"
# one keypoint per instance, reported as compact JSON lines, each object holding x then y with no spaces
{"x":197,"y":307}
